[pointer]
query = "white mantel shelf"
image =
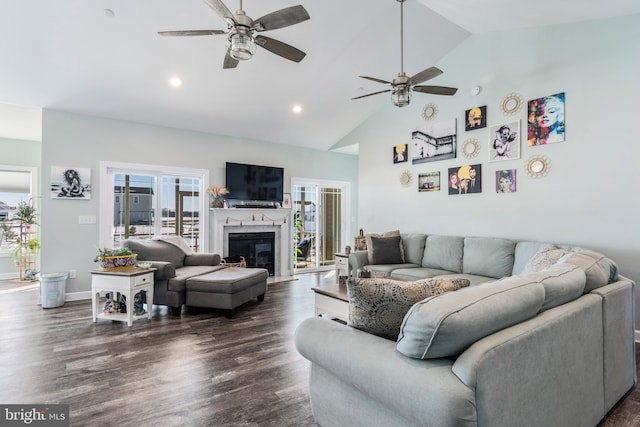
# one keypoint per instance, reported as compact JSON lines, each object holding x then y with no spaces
{"x":253,"y":220}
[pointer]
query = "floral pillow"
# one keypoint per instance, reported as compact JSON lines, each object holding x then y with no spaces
{"x":378,"y":306}
{"x":546,"y":256}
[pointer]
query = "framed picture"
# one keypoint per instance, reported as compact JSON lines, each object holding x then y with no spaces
{"x":435,"y":141}
{"x":475,"y":118}
{"x":70,"y":183}
{"x":465,"y":179}
{"x":545,"y":123}
{"x":504,"y":141}
{"x":429,"y":181}
{"x":506,"y":181}
{"x":286,"y":201}
{"x":400,"y":153}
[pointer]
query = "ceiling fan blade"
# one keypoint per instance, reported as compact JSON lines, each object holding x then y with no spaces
{"x":280,"y":48}
{"x":191,"y":33}
{"x":425,"y":75}
{"x":281,"y":18}
{"x":436,"y":90}
{"x":376,"y":80}
{"x":229,"y":62}
{"x":222,"y":10}
{"x":369,"y":94}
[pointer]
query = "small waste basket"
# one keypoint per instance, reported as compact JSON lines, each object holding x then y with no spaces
{"x":52,"y":287}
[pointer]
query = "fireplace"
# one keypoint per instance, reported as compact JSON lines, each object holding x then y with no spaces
{"x":225,"y":222}
{"x":256,"y":248}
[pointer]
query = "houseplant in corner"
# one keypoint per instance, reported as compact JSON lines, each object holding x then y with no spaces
{"x":115,"y":259}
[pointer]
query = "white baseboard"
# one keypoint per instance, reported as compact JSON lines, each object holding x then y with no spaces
{"x":9,"y":276}
{"x":77,"y":296}
{"x":637,"y":336}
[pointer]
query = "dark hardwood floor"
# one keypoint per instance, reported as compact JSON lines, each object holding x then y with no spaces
{"x":190,"y":370}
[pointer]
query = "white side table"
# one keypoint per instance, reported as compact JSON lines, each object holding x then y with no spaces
{"x":342,"y":266}
{"x":128,"y":283}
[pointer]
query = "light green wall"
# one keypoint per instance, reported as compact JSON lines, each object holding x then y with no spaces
{"x":84,"y":141}
{"x":591,"y":196}
{"x":16,"y":152}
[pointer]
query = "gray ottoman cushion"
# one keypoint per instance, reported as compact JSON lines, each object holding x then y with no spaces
{"x":227,"y":288}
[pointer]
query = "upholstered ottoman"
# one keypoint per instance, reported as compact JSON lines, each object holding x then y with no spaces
{"x":227,"y":288}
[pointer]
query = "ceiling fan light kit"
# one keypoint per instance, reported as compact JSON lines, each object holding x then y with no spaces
{"x":402,"y":86}
{"x":241,"y":42}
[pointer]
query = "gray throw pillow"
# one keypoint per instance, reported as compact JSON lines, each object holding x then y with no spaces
{"x":371,"y":250}
{"x":447,"y":324}
{"x":543,"y":259}
{"x":386,"y":250}
{"x":377,"y":306}
{"x":599,"y":269}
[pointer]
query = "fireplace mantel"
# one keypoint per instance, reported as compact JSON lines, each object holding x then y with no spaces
{"x":248,"y":220}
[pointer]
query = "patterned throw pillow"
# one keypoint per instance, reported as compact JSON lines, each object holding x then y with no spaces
{"x":546,"y":256}
{"x":378,"y":306}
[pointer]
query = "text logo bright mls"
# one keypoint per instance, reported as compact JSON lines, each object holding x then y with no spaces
{"x":34,"y":415}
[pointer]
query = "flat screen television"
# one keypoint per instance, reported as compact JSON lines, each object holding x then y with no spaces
{"x":250,"y":183}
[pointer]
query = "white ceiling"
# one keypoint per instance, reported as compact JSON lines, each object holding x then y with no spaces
{"x":70,"y":55}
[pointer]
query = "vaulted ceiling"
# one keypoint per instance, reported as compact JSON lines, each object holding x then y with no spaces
{"x":105,"y":58}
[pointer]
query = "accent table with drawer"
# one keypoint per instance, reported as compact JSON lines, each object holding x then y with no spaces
{"x":126,"y":282}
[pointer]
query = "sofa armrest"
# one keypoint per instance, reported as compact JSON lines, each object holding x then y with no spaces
{"x":165,"y":270}
{"x":358,"y":259}
{"x":547,"y":370}
{"x":202,"y":259}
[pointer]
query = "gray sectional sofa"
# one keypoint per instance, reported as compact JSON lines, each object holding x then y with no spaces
{"x":544,"y":336}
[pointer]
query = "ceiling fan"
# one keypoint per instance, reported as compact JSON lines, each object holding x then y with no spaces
{"x":401,"y":86}
{"x":241,"y":41}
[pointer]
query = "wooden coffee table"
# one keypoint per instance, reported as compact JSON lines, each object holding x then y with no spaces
{"x":331,"y":300}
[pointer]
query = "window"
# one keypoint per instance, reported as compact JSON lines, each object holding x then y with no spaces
{"x":143,"y":201}
{"x":17,"y":185}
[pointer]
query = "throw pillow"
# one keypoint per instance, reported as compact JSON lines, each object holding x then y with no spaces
{"x":546,"y":256}
{"x":599,"y":269}
{"x":447,"y":324}
{"x":371,"y":250}
{"x":377,"y":306}
{"x":386,"y":250}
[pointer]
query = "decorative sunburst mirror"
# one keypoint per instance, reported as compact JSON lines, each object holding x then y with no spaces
{"x":405,"y":178}
{"x":471,"y":148}
{"x":430,"y":111}
{"x":511,"y":104}
{"x":538,"y":166}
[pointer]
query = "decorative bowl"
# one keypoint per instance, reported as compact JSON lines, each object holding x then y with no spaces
{"x":144,"y":265}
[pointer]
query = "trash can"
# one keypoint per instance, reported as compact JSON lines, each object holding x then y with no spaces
{"x":52,"y":287}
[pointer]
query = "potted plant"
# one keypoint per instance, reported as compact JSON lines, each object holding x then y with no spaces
{"x":217,"y":194}
{"x":115,"y":259}
{"x":24,"y":254}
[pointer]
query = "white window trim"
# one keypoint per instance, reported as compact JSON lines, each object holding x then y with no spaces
{"x":345,"y":187}
{"x":109,"y":169}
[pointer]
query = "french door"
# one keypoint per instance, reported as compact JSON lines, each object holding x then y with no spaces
{"x":320,"y":226}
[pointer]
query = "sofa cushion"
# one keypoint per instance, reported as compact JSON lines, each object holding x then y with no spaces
{"x":416,"y":273}
{"x":544,"y":258}
{"x":413,"y":246}
{"x":377,"y":306}
{"x":599,"y":269}
{"x":371,"y":250}
{"x":447,"y":324}
{"x":562,"y":283}
{"x":178,"y":283}
{"x":385,"y":250}
{"x":444,"y":253}
{"x":156,"y":250}
{"x":486,"y":256}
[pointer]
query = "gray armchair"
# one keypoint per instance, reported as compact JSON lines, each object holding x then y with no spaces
{"x":174,"y":267}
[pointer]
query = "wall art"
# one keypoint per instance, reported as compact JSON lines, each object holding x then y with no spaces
{"x":545,"y":120}
{"x":400,"y":153}
{"x":430,"y":111}
{"x":504,"y":141}
{"x":465,"y":179}
{"x":475,"y":118}
{"x":434,"y":141}
{"x":286,"y":200}
{"x":429,"y":181}
{"x":470,"y":148}
{"x":511,"y":104}
{"x":70,"y":183}
{"x":405,"y":178}
{"x":506,"y":181}
{"x":538,"y":166}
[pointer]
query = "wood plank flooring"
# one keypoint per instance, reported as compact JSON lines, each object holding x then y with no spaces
{"x":190,"y":370}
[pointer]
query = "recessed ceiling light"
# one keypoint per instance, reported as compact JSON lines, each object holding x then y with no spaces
{"x":297,"y":109}
{"x":175,"y":81}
